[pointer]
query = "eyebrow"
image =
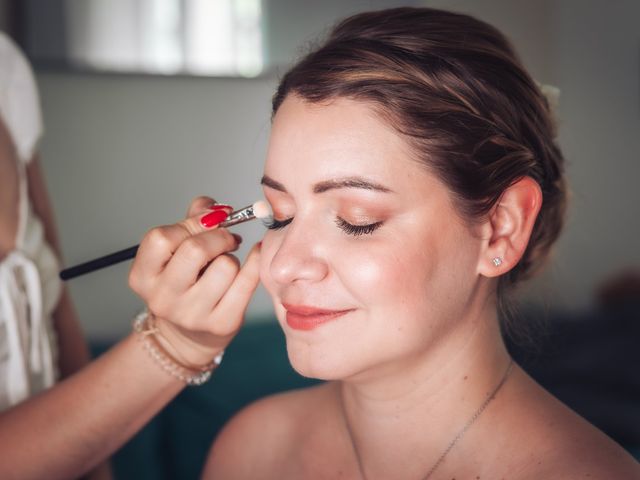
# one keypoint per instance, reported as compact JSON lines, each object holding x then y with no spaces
{"x":321,"y":187}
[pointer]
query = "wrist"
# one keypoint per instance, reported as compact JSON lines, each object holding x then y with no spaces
{"x":189,"y":348}
{"x":164,"y":353}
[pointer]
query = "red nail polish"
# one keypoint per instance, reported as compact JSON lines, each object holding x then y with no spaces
{"x":220,"y":206}
{"x":214,"y":218}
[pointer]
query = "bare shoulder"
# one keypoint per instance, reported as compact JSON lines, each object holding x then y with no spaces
{"x":589,"y":454}
{"x":563,"y":445}
{"x":259,"y":437}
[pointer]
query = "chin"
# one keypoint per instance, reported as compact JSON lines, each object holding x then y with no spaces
{"x":323,"y":364}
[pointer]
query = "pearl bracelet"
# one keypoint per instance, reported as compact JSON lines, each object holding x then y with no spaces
{"x":188,"y":374}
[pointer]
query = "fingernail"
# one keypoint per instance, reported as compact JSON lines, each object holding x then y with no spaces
{"x":259,"y":244}
{"x":220,"y":206}
{"x":237,"y":237}
{"x":214,"y":218}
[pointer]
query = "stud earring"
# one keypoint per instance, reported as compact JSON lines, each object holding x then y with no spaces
{"x":497,"y":261}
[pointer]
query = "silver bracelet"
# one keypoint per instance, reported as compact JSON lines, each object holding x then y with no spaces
{"x":166,"y":361}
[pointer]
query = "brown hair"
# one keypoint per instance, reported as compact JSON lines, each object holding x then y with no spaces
{"x":455,"y":88}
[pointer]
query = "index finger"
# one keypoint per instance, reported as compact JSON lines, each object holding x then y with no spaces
{"x":160,"y":243}
{"x":199,"y":205}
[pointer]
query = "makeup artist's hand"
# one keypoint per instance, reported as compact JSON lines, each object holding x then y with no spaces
{"x":194,"y":287}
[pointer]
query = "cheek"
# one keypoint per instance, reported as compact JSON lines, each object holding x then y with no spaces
{"x":266,"y":256}
{"x":414,"y":276}
{"x":382,"y":274}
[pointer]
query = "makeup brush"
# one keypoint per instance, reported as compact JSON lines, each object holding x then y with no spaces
{"x":259,"y":209}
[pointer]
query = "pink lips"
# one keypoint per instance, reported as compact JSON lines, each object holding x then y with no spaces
{"x":302,"y":317}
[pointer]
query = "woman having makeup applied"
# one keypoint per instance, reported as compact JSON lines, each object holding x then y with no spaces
{"x":415,"y":182}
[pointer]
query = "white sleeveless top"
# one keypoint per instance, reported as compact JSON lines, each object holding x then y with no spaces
{"x":29,"y":284}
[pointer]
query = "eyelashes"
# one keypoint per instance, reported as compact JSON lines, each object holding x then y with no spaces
{"x":346,"y":227}
{"x":357,"y":230}
{"x":274,"y":224}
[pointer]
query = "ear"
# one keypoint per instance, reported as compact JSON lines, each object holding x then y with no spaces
{"x":508,"y":227}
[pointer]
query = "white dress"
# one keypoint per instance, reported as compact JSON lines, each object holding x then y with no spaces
{"x":29,"y":284}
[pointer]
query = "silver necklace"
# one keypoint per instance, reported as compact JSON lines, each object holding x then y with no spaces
{"x":475,"y":416}
{"x":460,"y":434}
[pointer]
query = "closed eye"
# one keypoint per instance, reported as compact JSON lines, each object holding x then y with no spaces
{"x":278,"y":224}
{"x":357,"y":230}
{"x":348,"y":228}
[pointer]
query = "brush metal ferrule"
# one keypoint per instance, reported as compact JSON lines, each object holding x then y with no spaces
{"x":239,"y":216}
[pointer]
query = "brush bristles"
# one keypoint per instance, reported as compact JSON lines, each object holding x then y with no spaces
{"x":262,"y":210}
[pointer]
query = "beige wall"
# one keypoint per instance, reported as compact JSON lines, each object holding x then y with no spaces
{"x":4,"y":11}
{"x":596,"y":63}
{"x":125,"y":153}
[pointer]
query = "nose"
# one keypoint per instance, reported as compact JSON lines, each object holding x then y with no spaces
{"x":299,"y":258}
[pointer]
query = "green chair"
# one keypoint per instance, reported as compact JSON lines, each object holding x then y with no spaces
{"x":174,"y":445}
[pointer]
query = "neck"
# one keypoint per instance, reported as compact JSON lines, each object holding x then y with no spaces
{"x":405,"y":415}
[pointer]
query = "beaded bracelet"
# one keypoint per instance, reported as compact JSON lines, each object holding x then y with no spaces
{"x":188,"y":374}
{"x":154,"y":329}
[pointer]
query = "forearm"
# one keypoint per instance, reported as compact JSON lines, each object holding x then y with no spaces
{"x":78,"y":423}
{"x":73,"y":354}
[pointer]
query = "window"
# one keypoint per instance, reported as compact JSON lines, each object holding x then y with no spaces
{"x":203,"y":37}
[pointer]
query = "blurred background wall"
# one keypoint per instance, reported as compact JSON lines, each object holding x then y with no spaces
{"x":125,"y":152}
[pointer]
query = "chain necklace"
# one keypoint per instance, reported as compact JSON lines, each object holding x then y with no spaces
{"x":460,"y":434}
{"x":470,"y":421}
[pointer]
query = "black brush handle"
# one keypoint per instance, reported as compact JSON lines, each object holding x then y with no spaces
{"x":239,"y":216}
{"x":98,"y":263}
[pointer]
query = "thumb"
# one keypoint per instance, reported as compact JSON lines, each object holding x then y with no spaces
{"x":233,"y":305}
